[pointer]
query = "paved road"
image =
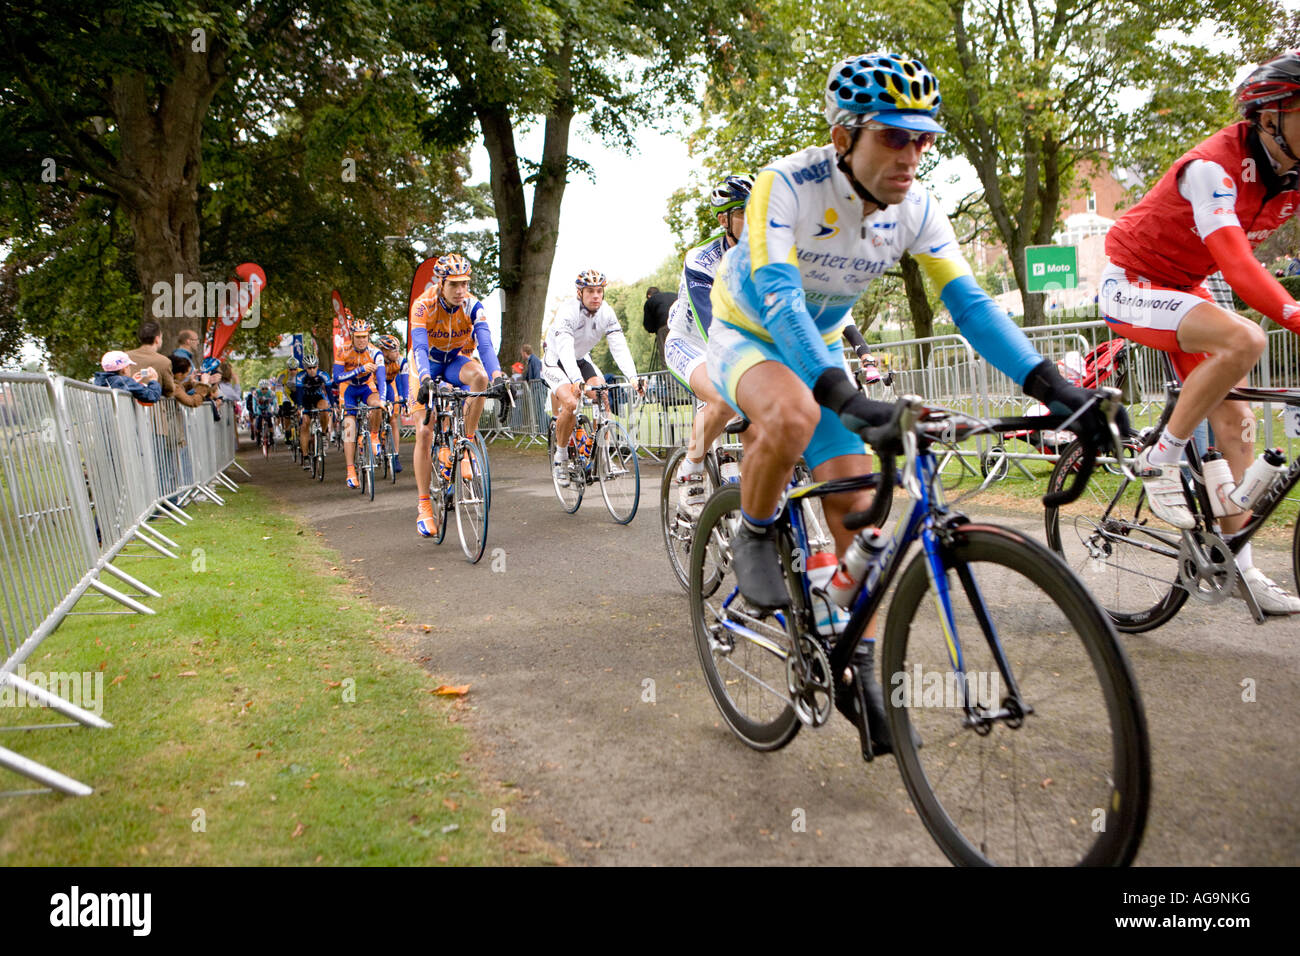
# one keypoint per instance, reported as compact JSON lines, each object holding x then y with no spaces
{"x":559,"y":642}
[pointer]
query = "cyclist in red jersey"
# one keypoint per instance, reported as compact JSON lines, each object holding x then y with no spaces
{"x":1206,"y":214}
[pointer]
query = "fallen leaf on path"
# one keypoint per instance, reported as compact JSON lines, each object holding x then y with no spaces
{"x":449,"y":804}
{"x":333,"y":683}
{"x":298,"y":831}
{"x":117,"y":680}
{"x":188,"y":674}
{"x":450,"y":690}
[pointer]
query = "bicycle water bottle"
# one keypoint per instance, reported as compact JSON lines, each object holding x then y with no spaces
{"x":828,"y":619}
{"x":1259,"y":478}
{"x":866,"y":547}
{"x":728,"y":468}
{"x":1219,"y":484}
{"x":444,"y":464}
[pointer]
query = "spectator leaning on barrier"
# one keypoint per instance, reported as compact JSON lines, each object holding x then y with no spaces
{"x":120,"y":372}
{"x":189,"y":341}
{"x":146,"y":355}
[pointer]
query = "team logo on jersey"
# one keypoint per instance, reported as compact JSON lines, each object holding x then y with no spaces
{"x":814,"y":173}
{"x":825,"y":231}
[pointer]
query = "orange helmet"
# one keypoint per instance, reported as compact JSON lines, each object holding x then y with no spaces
{"x":389,"y":343}
{"x":360,"y":326}
{"x":451,"y":266}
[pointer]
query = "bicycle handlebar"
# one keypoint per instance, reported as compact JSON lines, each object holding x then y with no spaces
{"x":497,"y":389}
{"x":929,"y":424}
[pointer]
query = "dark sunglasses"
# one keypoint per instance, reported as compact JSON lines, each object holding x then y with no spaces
{"x":896,"y":138}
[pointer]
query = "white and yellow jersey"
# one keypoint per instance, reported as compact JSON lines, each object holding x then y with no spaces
{"x":808,"y":252}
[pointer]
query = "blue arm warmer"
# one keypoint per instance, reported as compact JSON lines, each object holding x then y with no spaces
{"x":988,"y":329}
{"x":486,"y":353}
{"x":420,"y":345}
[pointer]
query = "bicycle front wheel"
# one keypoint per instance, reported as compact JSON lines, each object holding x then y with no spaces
{"x":1127,"y":557}
{"x":1054,"y":766}
{"x":370,"y":467}
{"x":441,"y":493}
{"x":570,"y":487}
{"x":743,"y":653}
{"x":674,"y":522}
{"x":618,"y":472}
{"x":471,"y":500}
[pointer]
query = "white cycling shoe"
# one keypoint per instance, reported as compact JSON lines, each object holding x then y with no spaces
{"x":1164,"y":491}
{"x":562,"y":473}
{"x":691,"y":499}
{"x":1268,"y":595}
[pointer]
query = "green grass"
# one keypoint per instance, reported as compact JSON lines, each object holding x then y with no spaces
{"x":231,"y":701}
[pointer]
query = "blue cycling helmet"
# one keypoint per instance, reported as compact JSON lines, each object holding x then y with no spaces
{"x":885,"y":88}
{"x":732,"y":193}
{"x":209,"y":366}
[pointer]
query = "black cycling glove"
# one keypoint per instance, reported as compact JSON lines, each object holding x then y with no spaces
{"x":834,"y":390}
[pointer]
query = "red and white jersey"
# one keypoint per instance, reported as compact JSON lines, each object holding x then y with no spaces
{"x":1225,"y":181}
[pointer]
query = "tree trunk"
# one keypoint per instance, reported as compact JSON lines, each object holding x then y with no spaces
{"x":918,"y":303}
{"x":528,"y":245}
{"x":161,"y":156}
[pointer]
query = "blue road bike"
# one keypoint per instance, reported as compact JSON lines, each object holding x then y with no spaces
{"x":1015,"y":717}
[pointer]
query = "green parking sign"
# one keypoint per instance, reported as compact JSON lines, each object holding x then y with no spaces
{"x":1051,"y":267}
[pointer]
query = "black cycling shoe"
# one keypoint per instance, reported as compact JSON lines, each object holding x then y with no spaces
{"x":865,"y":694}
{"x":757,"y":563}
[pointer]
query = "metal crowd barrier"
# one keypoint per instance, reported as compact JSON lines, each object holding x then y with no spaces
{"x":944,"y":369}
{"x":84,"y":471}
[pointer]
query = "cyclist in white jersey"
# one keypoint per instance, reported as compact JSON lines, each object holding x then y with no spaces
{"x":579,"y":325}
{"x":688,"y":331}
{"x":820,"y":226}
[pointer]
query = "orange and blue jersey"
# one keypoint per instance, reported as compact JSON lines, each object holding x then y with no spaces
{"x":350,"y":374}
{"x":398,"y":381}
{"x":440,"y":334}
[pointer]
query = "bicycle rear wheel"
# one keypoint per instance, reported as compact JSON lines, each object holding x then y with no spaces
{"x":1127,"y":557}
{"x":743,"y":654}
{"x":471,"y":501}
{"x":570,"y":494}
{"x":618,"y":472}
{"x":1062,"y":776}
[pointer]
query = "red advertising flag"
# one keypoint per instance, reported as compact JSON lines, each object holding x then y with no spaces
{"x":341,"y":329}
{"x":422,"y":281}
{"x":208,"y":338}
{"x":250,"y":282}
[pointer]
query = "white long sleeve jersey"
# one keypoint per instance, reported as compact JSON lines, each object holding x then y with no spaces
{"x":576,"y":331}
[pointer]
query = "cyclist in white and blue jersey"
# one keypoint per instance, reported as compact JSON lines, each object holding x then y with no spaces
{"x":820,"y":226}
{"x":688,"y":332}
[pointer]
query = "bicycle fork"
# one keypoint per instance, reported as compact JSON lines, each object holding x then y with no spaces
{"x":938,"y":559}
